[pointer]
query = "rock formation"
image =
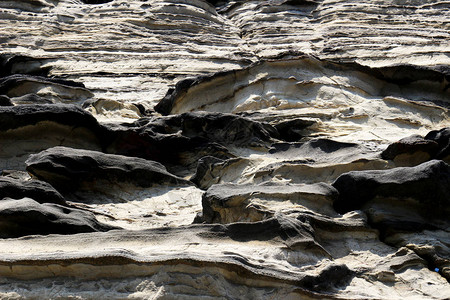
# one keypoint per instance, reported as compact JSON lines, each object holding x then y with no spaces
{"x":174,"y":149}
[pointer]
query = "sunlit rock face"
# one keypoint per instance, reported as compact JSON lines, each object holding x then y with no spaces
{"x":172,"y":149}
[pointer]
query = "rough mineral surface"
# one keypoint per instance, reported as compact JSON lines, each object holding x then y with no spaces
{"x":175,"y":149}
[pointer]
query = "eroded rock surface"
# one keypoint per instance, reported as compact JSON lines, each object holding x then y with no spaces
{"x":39,"y":191}
{"x":174,"y":149}
{"x":22,"y":217}
{"x":68,"y":169}
{"x":28,"y":129}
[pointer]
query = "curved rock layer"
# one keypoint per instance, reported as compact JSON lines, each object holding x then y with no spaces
{"x":172,"y":149}
{"x":132,"y":51}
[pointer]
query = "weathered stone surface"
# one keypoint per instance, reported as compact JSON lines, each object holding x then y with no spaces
{"x":337,"y":96}
{"x":186,"y":138}
{"x":21,"y":217}
{"x":243,"y":260}
{"x":428,"y":184}
{"x":408,"y":205}
{"x":39,"y":191}
{"x":416,"y":149}
{"x":432,"y":245}
{"x":29,"y":129}
{"x":229,"y":203}
{"x":314,"y":161}
{"x":27,"y":115}
{"x":68,"y":169}
{"x":442,"y":137}
{"x":43,"y":89}
{"x":411,"y":151}
{"x":262,"y":105}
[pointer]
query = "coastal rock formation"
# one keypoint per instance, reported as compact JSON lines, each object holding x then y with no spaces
{"x":74,"y":169}
{"x":22,"y":217}
{"x":28,"y":129}
{"x":175,"y":149}
{"x":40,"y":191}
{"x":230,"y":203}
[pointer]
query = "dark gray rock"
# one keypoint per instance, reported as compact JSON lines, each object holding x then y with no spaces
{"x":427,"y":184}
{"x":186,"y":138}
{"x":19,"y":85}
{"x":64,"y":114}
{"x":331,"y":277}
{"x":227,"y":129}
{"x":442,"y":137}
{"x":29,"y":129}
{"x":40,"y":191}
{"x":204,"y":168}
{"x":66,"y":169}
{"x":21,"y":64}
{"x":25,"y":216}
{"x":411,"y":145}
{"x":293,"y":130}
{"x":417,"y":149}
{"x":5,"y":101}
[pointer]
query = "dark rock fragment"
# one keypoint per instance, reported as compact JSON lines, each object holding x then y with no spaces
{"x":186,"y":138}
{"x":66,"y":169}
{"x":26,"y":217}
{"x":427,"y":184}
{"x":292,"y":231}
{"x":442,"y":137}
{"x":29,"y":129}
{"x":5,"y":101}
{"x":291,"y":130}
{"x":331,"y":277}
{"x":65,"y":114}
{"x":204,"y":167}
{"x":411,"y":145}
{"x":227,"y":129}
{"x":21,"y":64}
{"x":39,"y":191}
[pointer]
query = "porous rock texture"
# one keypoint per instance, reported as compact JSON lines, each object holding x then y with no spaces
{"x":174,"y":149}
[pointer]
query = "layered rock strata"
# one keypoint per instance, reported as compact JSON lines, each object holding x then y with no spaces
{"x":172,"y":149}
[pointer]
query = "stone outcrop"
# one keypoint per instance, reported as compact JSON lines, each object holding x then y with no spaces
{"x":28,"y":129}
{"x":230,"y":203}
{"x":416,"y":149}
{"x":186,"y":138}
{"x":22,"y":217}
{"x":72,"y":169}
{"x":39,"y":191}
{"x":175,"y":149}
{"x":428,"y":184}
{"x":405,"y":204}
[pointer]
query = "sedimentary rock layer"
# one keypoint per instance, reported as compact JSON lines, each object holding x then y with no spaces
{"x":173,"y":149}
